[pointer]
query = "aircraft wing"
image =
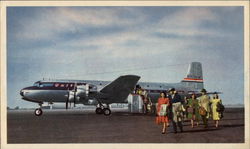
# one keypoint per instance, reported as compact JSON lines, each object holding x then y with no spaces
{"x":118,"y":90}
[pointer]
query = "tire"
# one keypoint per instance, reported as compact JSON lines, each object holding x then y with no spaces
{"x":38,"y":112}
{"x":106,"y":111}
{"x":98,"y":111}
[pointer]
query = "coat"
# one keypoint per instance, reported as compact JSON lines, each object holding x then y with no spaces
{"x":204,"y":101}
{"x":162,"y":119}
{"x":215,"y":114}
{"x":193,"y":103}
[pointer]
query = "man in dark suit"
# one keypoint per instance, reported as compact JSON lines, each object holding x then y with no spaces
{"x":176,"y":106}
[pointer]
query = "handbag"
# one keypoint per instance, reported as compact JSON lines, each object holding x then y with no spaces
{"x":220,"y":107}
{"x":163,"y":110}
{"x":202,"y":111}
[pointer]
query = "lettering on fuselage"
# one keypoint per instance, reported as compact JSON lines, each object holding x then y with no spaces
{"x":56,"y":85}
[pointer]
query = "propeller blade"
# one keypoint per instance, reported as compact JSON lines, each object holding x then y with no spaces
{"x":67,"y":103}
{"x":75,"y":89}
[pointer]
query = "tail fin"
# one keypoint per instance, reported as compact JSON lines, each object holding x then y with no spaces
{"x":194,"y":77}
{"x":119,"y":89}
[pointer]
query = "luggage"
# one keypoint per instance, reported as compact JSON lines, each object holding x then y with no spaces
{"x":220,"y":107}
{"x":163,"y":110}
{"x":202,"y":111}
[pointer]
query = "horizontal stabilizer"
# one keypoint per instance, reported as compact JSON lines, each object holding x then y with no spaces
{"x":214,"y":93}
{"x":119,"y":89}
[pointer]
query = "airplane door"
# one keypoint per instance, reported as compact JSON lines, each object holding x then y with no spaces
{"x":135,"y":104}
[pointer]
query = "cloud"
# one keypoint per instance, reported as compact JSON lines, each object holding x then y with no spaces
{"x":190,"y":22}
{"x":53,"y":22}
{"x":189,"y":17}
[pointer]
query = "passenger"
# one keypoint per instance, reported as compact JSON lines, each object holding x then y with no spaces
{"x":177,"y":110}
{"x":215,"y":111}
{"x":193,"y":110}
{"x":137,"y":89}
{"x":169,"y":112}
{"x":145,"y":104}
{"x":162,"y":106}
{"x":204,"y":110}
{"x":185,"y":113}
{"x":149,"y":105}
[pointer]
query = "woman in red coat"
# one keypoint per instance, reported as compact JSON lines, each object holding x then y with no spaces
{"x":162,"y":106}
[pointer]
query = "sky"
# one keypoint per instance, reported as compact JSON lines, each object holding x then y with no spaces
{"x":102,"y":43}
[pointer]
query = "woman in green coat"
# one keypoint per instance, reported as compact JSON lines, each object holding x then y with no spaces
{"x":193,"y":110}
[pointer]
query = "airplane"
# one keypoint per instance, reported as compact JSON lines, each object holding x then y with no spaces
{"x":102,"y":93}
{"x":81,"y":92}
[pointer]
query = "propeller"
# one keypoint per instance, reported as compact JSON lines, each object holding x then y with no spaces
{"x":75,"y":89}
{"x":67,"y":101}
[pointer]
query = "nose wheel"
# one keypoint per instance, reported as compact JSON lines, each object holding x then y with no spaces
{"x":38,"y":112}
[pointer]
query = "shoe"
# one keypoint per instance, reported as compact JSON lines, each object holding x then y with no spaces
{"x":163,"y":132}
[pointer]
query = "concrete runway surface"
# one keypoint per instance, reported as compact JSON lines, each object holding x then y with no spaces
{"x":84,"y":126}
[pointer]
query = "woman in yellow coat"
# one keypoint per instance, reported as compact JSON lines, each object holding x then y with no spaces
{"x":216,"y":115}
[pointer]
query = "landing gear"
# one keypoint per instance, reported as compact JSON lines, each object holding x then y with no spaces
{"x":38,"y":112}
{"x":98,"y":111}
{"x":106,"y":111}
{"x":103,"y":110}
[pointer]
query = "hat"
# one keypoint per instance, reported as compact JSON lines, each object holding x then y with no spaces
{"x":172,"y":89}
{"x":203,"y":90}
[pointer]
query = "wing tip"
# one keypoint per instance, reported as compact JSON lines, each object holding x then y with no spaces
{"x":130,"y":75}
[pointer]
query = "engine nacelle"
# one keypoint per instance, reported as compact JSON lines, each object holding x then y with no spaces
{"x":82,"y":90}
{"x":85,"y":90}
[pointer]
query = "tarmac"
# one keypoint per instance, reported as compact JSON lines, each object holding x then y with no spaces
{"x":84,"y":126}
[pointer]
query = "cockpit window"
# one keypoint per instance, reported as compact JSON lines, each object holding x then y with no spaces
{"x":36,"y":84}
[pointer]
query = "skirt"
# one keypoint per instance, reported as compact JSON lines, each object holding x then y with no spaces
{"x":161,"y":119}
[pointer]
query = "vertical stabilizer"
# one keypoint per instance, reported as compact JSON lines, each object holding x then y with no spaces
{"x":194,"y":78}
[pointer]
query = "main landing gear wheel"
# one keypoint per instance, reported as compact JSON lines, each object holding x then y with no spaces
{"x":106,"y":111}
{"x":38,"y":112}
{"x":98,"y":111}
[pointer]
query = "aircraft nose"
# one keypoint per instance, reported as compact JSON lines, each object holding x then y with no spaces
{"x":21,"y":93}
